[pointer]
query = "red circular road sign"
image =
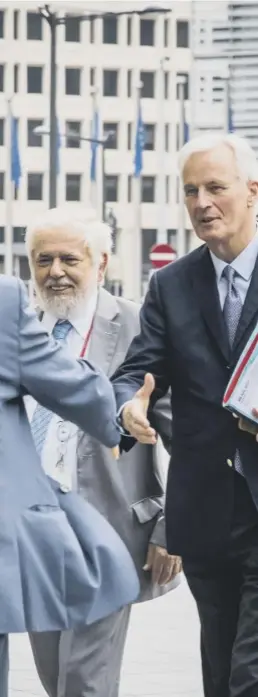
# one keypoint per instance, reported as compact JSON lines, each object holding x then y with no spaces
{"x":161,"y":255}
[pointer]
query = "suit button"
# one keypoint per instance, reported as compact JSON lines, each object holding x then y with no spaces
{"x":229,"y":462}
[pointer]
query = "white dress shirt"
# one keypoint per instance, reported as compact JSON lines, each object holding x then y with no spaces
{"x":63,"y":434}
{"x":243,"y":264}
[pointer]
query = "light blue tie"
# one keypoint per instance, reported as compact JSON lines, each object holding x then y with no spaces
{"x":42,"y":416}
{"x":232,"y":311}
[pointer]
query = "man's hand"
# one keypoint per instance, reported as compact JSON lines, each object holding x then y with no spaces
{"x":162,"y":565}
{"x":246,"y":425}
{"x":134,"y":415}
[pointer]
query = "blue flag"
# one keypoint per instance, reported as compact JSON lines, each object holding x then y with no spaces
{"x":94,"y":146}
{"x":15,"y":155}
{"x":139,"y":145}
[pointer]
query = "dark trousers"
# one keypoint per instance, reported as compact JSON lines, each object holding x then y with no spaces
{"x":226,"y":593}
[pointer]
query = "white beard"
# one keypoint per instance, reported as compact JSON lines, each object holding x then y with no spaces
{"x":60,"y":307}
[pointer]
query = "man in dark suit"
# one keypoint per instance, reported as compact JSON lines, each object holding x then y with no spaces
{"x":195,"y":321}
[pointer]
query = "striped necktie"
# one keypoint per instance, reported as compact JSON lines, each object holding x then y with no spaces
{"x":232,"y":311}
{"x":42,"y":416}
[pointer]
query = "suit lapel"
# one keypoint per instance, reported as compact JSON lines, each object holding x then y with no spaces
{"x":105,"y":331}
{"x":205,"y":288}
{"x":250,"y":308}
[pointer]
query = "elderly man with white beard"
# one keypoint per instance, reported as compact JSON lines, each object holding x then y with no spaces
{"x":68,"y":251}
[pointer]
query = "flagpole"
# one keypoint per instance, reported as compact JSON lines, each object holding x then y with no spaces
{"x":93,"y":183}
{"x":181,"y":247}
{"x":8,"y":266}
{"x":137,"y":239}
{"x":161,"y":178}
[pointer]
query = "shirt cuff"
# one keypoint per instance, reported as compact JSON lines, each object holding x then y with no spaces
{"x":120,"y":423}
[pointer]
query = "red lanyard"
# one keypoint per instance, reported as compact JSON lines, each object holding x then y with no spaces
{"x":86,"y":340}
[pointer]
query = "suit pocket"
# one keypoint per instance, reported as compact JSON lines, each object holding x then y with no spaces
{"x":146,"y":509}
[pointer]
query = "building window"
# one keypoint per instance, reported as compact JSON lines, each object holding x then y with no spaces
{"x":167,"y":188}
{"x":148,"y":189}
{"x":2,"y":186}
{"x":129,"y":136}
{"x":2,"y":14}
{"x":73,"y":134}
{"x":72,"y":28}
{"x":2,"y":125}
{"x":110,"y":83}
{"x":16,"y":78}
{"x":111,"y":129}
{"x":149,"y":238}
{"x":166,"y":85}
{"x":167,"y":137}
{"x":177,"y":189}
{"x":166,"y":30}
{"x":34,"y":26}
{"x":109,"y":30}
{"x":182,"y":34}
{"x":34,"y":79}
{"x":73,"y":81}
{"x":2,"y":234}
{"x":35,"y":186}
{"x":73,"y":187}
{"x":92,"y":30}
{"x":19,"y":234}
{"x":149,"y":136}
{"x":186,"y":85}
{"x":34,"y":140}
{"x":129,"y":31}
{"x":2,"y":67}
{"x":111,"y":188}
{"x":129,"y":188}
{"x":147,"y":79}
{"x":92,"y":77}
{"x":24,"y":271}
{"x":129,"y":83}
{"x":147,"y":27}
{"x":16,"y":16}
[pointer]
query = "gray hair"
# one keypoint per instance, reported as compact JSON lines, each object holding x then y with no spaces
{"x":244,"y":154}
{"x":77,"y":219}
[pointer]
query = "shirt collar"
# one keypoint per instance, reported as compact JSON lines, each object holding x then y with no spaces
{"x":243,"y":264}
{"x":80,"y":317}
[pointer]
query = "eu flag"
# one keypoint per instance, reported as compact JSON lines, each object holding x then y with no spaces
{"x":94,"y":146}
{"x":139,"y":145}
{"x":15,"y":155}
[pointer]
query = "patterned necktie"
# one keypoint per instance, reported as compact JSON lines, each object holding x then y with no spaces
{"x":232,"y":311}
{"x":42,"y":416}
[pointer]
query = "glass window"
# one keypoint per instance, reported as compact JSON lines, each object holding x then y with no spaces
{"x":34,"y":26}
{"x":34,"y":140}
{"x":2,"y":186}
{"x":149,"y":136}
{"x":2,"y":126}
{"x":111,"y":188}
{"x":72,"y":28}
{"x":16,"y":17}
{"x":110,"y":30}
{"x":2,"y":17}
{"x":167,"y":188}
{"x":129,"y":188}
{"x":92,"y":77}
{"x":166,"y":31}
{"x":147,"y":27}
{"x":2,"y":234}
{"x":147,"y":78}
{"x":167,"y":137}
{"x":148,"y":189}
{"x":129,"y":31}
{"x":2,"y":67}
{"x":16,"y":78}
{"x":182,"y":34}
{"x":149,"y":238}
{"x":129,"y":136}
{"x":129,"y":83}
{"x":73,"y":81}
{"x":110,"y":83}
{"x":73,"y":187}
{"x":24,"y":268}
{"x":34,"y":79}
{"x":35,"y":186}
{"x":166,"y":85}
{"x":19,"y":234}
{"x":112,"y":130}
{"x":73,"y":134}
{"x":92,"y":30}
{"x":186,"y":85}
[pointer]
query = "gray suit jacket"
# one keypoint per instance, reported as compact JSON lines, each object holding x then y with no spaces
{"x":128,"y":493}
{"x":61,"y":563}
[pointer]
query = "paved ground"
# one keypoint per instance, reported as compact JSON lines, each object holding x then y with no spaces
{"x":161,"y":655}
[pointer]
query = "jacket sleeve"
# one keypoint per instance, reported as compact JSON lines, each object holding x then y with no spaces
{"x":73,"y":389}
